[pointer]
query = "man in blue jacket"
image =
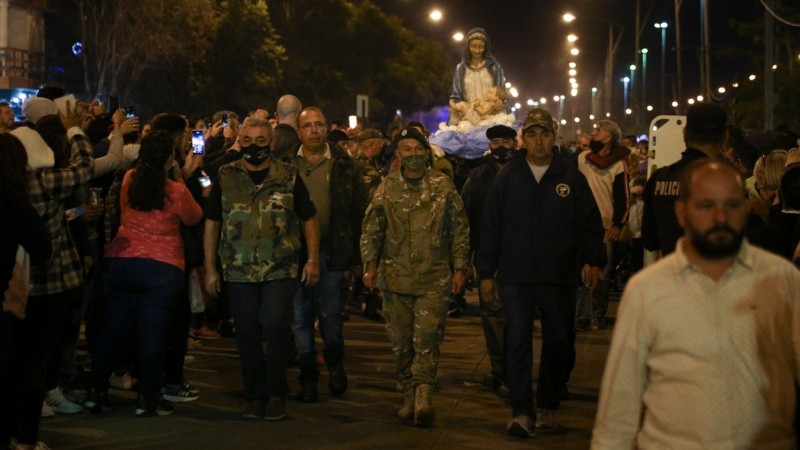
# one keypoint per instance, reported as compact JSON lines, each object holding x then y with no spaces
{"x":541,"y":235}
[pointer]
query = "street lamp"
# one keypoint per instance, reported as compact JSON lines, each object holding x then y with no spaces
{"x":613,"y":45}
{"x":663,"y":27}
{"x":458,"y":36}
{"x":435,"y":15}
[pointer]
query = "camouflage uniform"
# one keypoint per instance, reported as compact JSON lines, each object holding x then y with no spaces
{"x":415,"y":235}
{"x":371,"y":172}
{"x":260,"y":233}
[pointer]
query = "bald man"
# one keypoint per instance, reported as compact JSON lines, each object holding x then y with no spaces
{"x":285,"y":140}
{"x":707,"y":339}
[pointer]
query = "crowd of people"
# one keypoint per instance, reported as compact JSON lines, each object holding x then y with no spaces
{"x":267,"y":228}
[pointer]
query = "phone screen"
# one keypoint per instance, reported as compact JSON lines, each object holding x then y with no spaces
{"x":224,"y":120}
{"x":198,"y":142}
{"x":130,"y":111}
{"x":204,"y":181}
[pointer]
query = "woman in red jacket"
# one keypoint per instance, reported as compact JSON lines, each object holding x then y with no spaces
{"x":145,"y":273}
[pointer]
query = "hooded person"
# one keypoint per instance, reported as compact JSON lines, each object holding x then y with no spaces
{"x":476,"y":74}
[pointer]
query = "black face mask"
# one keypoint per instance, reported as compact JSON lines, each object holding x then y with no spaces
{"x":254,"y":154}
{"x":502,"y":154}
{"x":596,"y":146}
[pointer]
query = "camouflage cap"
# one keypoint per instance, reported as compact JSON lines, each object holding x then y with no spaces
{"x":369,"y":133}
{"x":538,"y":117}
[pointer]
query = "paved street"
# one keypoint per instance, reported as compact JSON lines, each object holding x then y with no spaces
{"x":468,"y":415}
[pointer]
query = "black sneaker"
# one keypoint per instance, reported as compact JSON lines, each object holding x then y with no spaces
{"x":178,"y":393}
{"x":96,"y":401}
{"x":276,"y":409}
{"x":153,"y":408}
{"x":337,"y":379}
{"x":255,"y":410}
{"x":308,"y":391}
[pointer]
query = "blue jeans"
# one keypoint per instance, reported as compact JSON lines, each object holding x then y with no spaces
{"x":263,"y":311}
{"x":556,"y":305}
{"x":319,"y":302}
{"x":140,"y":296}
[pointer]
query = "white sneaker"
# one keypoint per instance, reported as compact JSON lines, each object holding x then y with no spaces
{"x":124,"y":381}
{"x":59,"y":403}
{"x":521,"y":426}
{"x":47,"y":411}
{"x":545,"y":418}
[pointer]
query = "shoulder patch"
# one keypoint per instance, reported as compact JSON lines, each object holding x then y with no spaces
{"x":562,"y":189}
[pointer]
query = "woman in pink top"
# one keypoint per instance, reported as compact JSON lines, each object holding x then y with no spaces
{"x":144,"y":276}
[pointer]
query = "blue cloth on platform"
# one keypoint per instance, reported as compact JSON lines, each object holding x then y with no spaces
{"x":470,"y":145}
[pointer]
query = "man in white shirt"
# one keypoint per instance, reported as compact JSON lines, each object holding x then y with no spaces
{"x":705,"y":351}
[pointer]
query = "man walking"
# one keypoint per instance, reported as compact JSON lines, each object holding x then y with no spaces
{"x":541,"y":233}
{"x":414,"y":248}
{"x":253,"y":220}
{"x":705,"y":351}
{"x":337,"y":188}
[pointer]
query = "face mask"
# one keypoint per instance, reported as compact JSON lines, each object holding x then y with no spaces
{"x":596,"y":146}
{"x":415,"y":163}
{"x":502,"y":154}
{"x":254,"y":154}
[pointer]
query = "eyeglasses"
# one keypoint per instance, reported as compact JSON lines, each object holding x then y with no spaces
{"x":308,"y":126}
{"x":260,"y":141}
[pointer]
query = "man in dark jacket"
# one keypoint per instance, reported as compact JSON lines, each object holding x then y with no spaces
{"x":337,"y":188}
{"x":541,"y":234}
{"x":502,"y":147}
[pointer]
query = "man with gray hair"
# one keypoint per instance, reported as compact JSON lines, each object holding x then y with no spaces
{"x":285,"y":140}
{"x":606,"y":169}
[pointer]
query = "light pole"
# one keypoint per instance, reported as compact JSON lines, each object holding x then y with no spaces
{"x":663,"y":27}
{"x":625,"y":81}
{"x":643,"y":103}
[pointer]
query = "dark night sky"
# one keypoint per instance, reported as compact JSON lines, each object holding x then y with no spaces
{"x":529,"y":39}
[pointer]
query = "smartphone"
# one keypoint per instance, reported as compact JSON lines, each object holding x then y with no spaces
{"x":224,"y":120}
{"x":62,"y":102}
{"x":204,"y":181}
{"x":99,"y":100}
{"x":130,"y":111}
{"x":198,"y":142}
{"x":113,"y":103}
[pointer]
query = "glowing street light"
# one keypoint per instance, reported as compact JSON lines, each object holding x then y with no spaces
{"x":572,"y":72}
{"x":721,"y":90}
{"x":568,"y":17}
{"x":555,"y":98}
{"x":530,"y":102}
{"x":674,"y":104}
{"x":572,"y":65}
{"x":574,"y":52}
{"x":458,"y":36}
{"x":543,"y":101}
{"x":699,"y":98}
{"x":690,"y":101}
{"x":649,"y":107}
{"x":572,"y":38}
{"x":752,"y":77}
{"x":435,"y":15}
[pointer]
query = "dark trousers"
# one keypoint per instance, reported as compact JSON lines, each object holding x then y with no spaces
{"x":263,"y":311}
{"x":177,"y":345}
{"x":26,"y":351}
{"x":556,"y":306}
{"x":494,"y":331}
{"x":141,"y":296}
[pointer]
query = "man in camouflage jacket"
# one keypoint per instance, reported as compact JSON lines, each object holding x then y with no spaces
{"x":253,"y":219}
{"x":414,"y":247}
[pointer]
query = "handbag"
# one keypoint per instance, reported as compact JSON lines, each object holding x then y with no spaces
{"x":16,"y":296}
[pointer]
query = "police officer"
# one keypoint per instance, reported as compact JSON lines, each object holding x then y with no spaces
{"x":703,"y":135}
{"x":414,"y":246}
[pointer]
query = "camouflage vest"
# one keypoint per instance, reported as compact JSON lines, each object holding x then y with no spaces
{"x":260,"y":230}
